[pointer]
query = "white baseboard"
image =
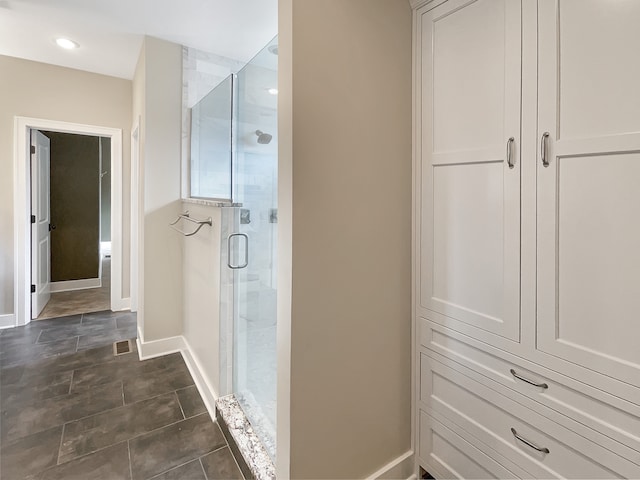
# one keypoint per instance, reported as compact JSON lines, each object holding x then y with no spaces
{"x":8,"y":320}
{"x":71,"y":285}
{"x":120,"y":304}
{"x":158,"y":348}
{"x":105,"y":249}
{"x":207,"y":392}
{"x":400,"y":468}
{"x":165,"y":346}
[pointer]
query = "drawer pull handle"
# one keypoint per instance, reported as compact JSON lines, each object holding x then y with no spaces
{"x":527,"y":442}
{"x":540,"y":385}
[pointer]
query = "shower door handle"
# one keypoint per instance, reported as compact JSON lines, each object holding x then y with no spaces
{"x":246,"y":251}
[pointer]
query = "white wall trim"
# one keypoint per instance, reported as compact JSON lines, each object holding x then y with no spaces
{"x":400,"y":468}
{"x":415,"y":4}
{"x":166,"y":346}
{"x":7,"y":320}
{"x":71,"y":285}
{"x":22,"y":195}
{"x":120,"y":304}
{"x":158,"y":348}
{"x":136,"y":204}
{"x":207,"y":391}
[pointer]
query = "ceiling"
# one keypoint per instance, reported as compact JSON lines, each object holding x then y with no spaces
{"x":110,"y":32}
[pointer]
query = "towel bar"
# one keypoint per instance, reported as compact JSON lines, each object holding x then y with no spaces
{"x":185,"y":216}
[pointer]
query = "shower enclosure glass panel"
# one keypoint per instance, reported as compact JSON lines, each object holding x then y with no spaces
{"x":250,"y":242}
{"x":211,"y":125}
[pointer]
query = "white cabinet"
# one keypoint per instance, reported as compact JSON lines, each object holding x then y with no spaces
{"x":470,"y":116}
{"x":589,"y":194}
{"x":527,"y":235}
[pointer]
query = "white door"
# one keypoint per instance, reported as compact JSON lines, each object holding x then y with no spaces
{"x":40,"y":211}
{"x":589,"y":191}
{"x":470,"y":207}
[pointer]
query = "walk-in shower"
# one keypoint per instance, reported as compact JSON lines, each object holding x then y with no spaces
{"x":230,"y":125}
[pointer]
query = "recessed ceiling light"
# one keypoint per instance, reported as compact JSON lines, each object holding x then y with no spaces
{"x":272,"y":91}
{"x":66,"y":43}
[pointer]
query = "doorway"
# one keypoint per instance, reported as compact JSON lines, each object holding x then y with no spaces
{"x":24,"y":271}
{"x":74,"y":260}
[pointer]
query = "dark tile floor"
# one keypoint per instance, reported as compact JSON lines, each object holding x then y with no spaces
{"x":70,"y":409}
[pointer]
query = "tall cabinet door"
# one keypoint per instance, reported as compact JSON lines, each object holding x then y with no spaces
{"x":469,"y":165}
{"x":588,"y":291}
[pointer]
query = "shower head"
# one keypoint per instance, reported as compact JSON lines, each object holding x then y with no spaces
{"x":263,"y":138}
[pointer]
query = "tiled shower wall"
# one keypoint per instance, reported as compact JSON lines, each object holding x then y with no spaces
{"x":201,"y":72}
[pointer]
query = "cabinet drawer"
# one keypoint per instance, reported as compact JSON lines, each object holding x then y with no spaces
{"x":495,"y":420}
{"x":445,"y":454}
{"x":621,"y":426}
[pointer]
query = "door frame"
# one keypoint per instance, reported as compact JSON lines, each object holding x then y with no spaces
{"x":136,"y":214}
{"x":22,"y":208}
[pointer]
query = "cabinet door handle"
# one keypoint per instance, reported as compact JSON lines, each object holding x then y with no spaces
{"x":509,"y":159}
{"x":527,"y":442}
{"x":540,"y":385}
{"x":543,"y":149}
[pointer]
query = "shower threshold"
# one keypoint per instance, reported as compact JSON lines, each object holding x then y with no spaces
{"x":243,"y":440}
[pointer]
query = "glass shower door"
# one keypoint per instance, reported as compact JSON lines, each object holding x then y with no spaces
{"x":252,"y":244}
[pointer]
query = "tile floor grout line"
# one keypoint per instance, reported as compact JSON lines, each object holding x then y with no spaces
{"x":71,"y":382}
{"x":128,"y":405}
{"x":70,"y":421}
{"x":111,"y":340}
{"x":35,"y":365}
{"x":236,"y":460}
{"x":51,"y":341}
{"x":226,"y":442}
{"x":38,"y":337}
{"x":153,"y":396}
{"x":60,"y":446}
{"x":33,"y":401}
{"x":139,"y":434}
{"x":170,"y":425}
{"x":174,"y":468}
{"x":206,"y":477}
{"x":156,"y":396}
{"x":130,"y":462}
{"x":226,"y":445}
{"x":175,"y":392}
{"x":167,"y":425}
{"x":97,"y":450}
{"x":93,"y":414}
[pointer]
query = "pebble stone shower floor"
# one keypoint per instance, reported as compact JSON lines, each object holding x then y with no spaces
{"x":70,"y":409}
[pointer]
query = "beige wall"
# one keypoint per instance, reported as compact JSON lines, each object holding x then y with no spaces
{"x":158,"y":99}
{"x":201,"y":312}
{"x":38,"y":90}
{"x":351,"y":230}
